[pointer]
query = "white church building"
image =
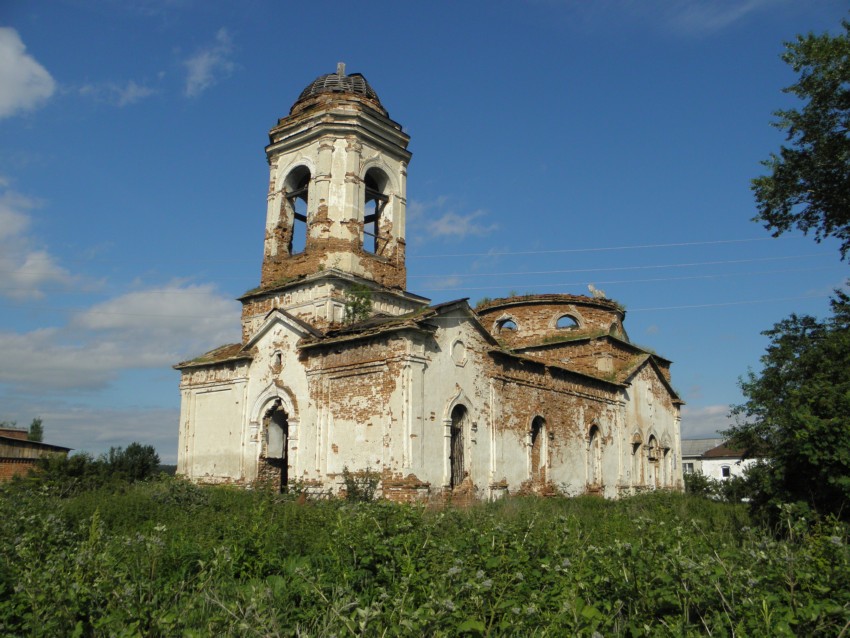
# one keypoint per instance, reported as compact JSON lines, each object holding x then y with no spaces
{"x":340,"y":367}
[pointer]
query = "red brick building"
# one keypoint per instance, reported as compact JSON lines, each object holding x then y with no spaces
{"x":18,"y":454}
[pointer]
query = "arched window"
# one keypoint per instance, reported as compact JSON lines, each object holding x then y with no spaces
{"x":296,"y":191}
{"x":594,"y":457}
{"x":506,"y":324}
{"x":567,"y":322}
{"x":456,"y":449}
{"x":376,"y":200}
{"x":538,"y":451}
{"x":654,"y":454}
{"x":637,"y":459}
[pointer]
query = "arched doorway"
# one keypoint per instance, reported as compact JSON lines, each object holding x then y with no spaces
{"x":457,"y":470}
{"x":538,"y":452}
{"x":274,"y":462}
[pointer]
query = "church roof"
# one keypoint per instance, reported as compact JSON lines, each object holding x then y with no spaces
{"x":341,"y":84}
{"x":229,"y":352}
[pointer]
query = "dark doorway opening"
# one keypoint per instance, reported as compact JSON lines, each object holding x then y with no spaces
{"x":456,"y":453}
{"x":276,"y":429}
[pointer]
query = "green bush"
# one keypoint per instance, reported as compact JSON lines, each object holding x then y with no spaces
{"x":67,"y":476}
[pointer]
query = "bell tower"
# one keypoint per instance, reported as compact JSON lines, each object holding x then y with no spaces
{"x":337,"y":186}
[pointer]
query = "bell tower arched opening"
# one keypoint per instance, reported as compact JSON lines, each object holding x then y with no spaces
{"x":296,"y":194}
{"x":375,"y":236}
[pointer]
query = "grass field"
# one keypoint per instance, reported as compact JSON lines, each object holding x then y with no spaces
{"x":172,"y":559}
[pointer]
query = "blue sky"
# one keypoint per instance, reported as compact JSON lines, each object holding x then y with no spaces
{"x":555,"y":144}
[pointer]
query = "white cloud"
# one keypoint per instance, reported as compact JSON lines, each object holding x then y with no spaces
{"x":24,"y":83}
{"x":685,"y":18}
{"x":696,"y":17}
{"x":96,"y":429}
{"x":117,"y":94}
{"x":24,"y":269}
{"x":209,"y":64}
{"x":141,"y":329}
{"x":182,"y":319}
{"x":439,"y":219}
{"x":704,"y":422}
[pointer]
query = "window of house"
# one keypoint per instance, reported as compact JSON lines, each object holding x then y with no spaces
{"x":688,"y":468}
{"x":725,"y":471}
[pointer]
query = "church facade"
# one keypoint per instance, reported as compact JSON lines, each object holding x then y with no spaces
{"x":341,"y":369}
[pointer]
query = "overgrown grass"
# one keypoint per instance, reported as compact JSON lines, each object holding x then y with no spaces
{"x":169,"y":558}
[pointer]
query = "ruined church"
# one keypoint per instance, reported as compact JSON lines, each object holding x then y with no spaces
{"x":341,"y":368}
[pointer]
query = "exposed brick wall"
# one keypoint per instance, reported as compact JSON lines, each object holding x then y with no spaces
{"x":387,"y":269}
{"x":404,"y":489}
{"x":10,"y":468}
{"x":536,"y":316}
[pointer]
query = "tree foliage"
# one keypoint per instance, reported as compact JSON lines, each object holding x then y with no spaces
{"x":136,"y":463}
{"x":70,"y":475}
{"x":36,"y":431}
{"x":797,"y":413}
{"x":808,"y":186}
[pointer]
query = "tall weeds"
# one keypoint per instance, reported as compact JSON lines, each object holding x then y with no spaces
{"x":169,"y":558}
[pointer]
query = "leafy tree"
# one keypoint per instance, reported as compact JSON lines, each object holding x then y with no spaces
{"x":797,"y":414}
{"x":137,"y":463}
{"x":809,"y":181}
{"x":36,"y":431}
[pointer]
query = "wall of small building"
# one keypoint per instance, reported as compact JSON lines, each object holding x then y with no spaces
{"x":713,"y":468}
{"x":18,"y":454}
